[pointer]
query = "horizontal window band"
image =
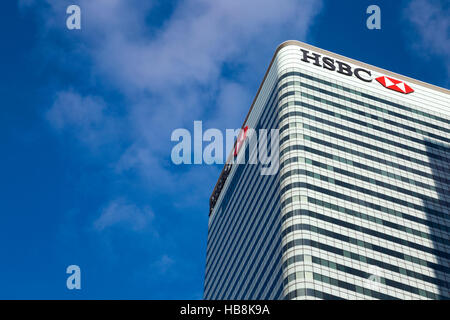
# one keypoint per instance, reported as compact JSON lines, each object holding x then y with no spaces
{"x":430,"y":135}
{"x":311,"y":293}
{"x":346,"y":185}
{"x":368,"y":231}
{"x":361,"y":274}
{"x":365,"y":95}
{"x":434,"y":145}
{"x":355,"y":152}
{"x":361,"y":133}
{"x":377,"y":220}
{"x":364,"y":104}
{"x":363,"y":167}
{"x":363,"y":244}
{"x":429,"y":223}
{"x":352,"y":287}
{"x":370,"y":261}
{"x":324,"y":154}
{"x":366,"y":179}
{"x":349,"y":109}
{"x":386,"y":281}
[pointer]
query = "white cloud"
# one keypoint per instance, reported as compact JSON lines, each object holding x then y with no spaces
{"x":120,"y":212}
{"x":181,"y":66}
{"x":192,"y":46}
{"x":164,"y":263}
{"x":83,"y":116}
{"x":431,"y":21}
{"x":174,"y":76}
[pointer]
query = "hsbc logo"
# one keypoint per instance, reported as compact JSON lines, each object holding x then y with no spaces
{"x":240,"y":140}
{"x":360,"y":73}
{"x":394,"y":84}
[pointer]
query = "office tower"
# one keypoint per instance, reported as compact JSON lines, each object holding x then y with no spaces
{"x":359,"y":208}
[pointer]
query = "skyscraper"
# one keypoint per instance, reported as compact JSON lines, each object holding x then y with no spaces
{"x":360,"y":205}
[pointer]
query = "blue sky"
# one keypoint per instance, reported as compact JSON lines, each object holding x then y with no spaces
{"x":86,"y":118}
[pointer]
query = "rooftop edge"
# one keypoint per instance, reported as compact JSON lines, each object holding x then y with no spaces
{"x":227,"y":167}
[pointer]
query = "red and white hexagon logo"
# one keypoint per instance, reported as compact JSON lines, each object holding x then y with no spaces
{"x":394,"y":84}
{"x":240,"y":140}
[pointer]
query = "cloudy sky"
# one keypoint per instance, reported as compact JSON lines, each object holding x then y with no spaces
{"x":86,"y":118}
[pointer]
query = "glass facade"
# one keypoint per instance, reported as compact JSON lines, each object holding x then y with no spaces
{"x":360,"y":206}
{"x":244,"y":244}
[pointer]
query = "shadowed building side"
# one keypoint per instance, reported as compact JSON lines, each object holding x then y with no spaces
{"x":439,"y":211}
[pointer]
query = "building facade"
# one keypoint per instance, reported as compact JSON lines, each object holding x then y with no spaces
{"x":360,"y":205}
